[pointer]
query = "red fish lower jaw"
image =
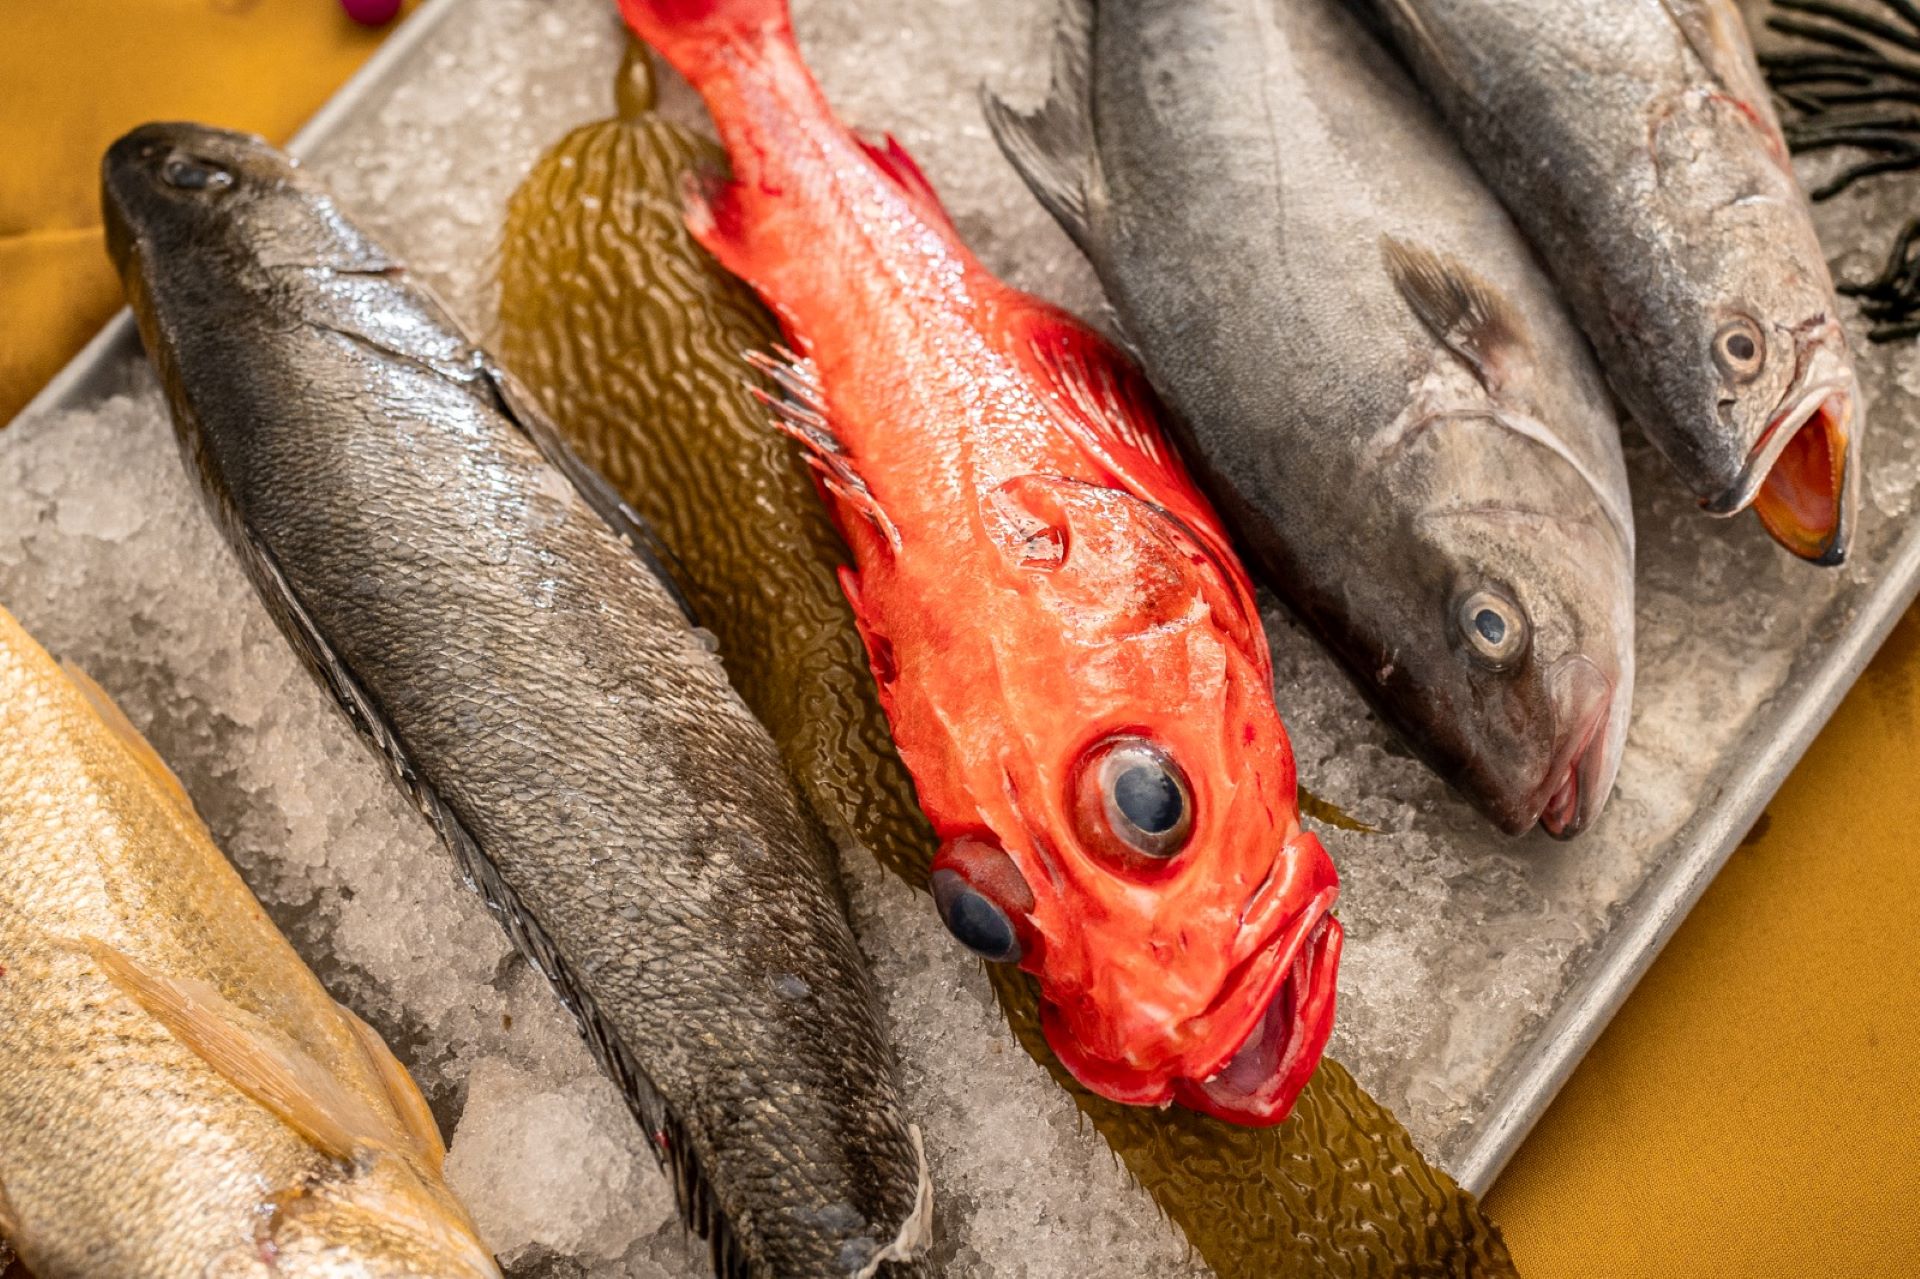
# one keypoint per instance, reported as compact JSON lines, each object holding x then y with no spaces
{"x":1282,"y":1014}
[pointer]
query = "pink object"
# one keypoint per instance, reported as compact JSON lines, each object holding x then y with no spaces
{"x":371,"y":13}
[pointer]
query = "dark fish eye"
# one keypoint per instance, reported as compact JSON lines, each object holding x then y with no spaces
{"x":1133,"y":800}
{"x":187,"y":173}
{"x":1494,"y":627}
{"x":1740,"y":349}
{"x":974,"y":920}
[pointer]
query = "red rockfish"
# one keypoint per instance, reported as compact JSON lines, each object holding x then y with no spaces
{"x":1066,"y":646}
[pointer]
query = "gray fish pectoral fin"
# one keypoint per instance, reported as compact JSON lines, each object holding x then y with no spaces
{"x":1463,"y":312}
{"x":517,"y":404}
{"x":1052,"y":148}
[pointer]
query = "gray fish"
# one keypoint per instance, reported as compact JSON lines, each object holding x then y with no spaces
{"x":455,"y":578}
{"x":1636,"y":144}
{"x":1381,"y":389}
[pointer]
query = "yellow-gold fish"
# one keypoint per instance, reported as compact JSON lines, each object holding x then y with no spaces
{"x":180,"y":1098}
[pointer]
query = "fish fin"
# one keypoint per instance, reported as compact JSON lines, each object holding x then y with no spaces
{"x":520,"y":407}
{"x":716,"y":223}
{"x":1103,"y":400}
{"x":402,"y":1093}
{"x":690,"y":33}
{"x":1052,"y":147}
{"x":1462,"y":311}
{"x":801,"y":412}
{"x":906,"y":173}
{"x":271,"y":1071}
{"x":1402,"y":25}
{"x":137,"y":745}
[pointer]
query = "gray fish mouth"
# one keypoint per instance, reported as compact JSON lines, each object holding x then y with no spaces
{"x":1802,"y":477}
{"x":1577,"y":782}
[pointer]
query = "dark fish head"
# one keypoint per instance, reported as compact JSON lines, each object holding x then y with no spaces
{"x":1753,"y":391}
{"x":1509,"y":612}
{"x":186,"y":195}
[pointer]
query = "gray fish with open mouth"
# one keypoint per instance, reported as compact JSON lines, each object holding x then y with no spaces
{"x":463,"y":587}
{"x":1635,"y":142}
{"x":1378,"y":384}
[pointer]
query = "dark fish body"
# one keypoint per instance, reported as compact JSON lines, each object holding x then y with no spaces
{"x":1382,"y":390}
{"x":455,"y":578}
{"x":1637,"y":145}
{"x":598,"y":279}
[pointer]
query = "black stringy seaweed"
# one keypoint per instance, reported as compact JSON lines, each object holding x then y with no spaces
{"x":1850,"y":79}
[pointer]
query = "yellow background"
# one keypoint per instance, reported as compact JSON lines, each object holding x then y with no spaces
{"x":1753,"y":1110}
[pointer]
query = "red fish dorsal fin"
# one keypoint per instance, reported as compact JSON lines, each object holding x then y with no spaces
{"x":1105,"y":403}
{"x":893,"y":160}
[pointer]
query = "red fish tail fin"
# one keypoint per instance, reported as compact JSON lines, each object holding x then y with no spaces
{"x":691,"y":33}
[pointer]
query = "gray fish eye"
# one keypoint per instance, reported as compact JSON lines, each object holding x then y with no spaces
{"x":186,"y":173}
{"x":1495,"y":628}
{"x":1739,"y":348}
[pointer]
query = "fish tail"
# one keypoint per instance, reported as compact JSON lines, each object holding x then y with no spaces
{"x":694,"y":34}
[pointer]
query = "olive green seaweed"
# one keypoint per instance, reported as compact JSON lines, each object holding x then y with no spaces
{"x":634,"y":338}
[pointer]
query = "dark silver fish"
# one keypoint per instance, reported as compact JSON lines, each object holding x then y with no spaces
{"x":1381,"y":388}
{"x":1635,"y":142}
{"x":455,"y":578}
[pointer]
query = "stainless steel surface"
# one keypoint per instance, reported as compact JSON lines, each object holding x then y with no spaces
{"x":1837,"y":627}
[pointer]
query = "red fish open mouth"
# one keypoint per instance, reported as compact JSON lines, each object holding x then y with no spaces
{"x":1257,"y":1079}
{"x":1260,"y":1082}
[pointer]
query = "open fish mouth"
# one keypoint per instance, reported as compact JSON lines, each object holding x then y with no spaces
{"x":1260,"y":1082}
{"x":1255,"y":1078}
{"x":1800,"y":477}
{"x":1578,"y":779}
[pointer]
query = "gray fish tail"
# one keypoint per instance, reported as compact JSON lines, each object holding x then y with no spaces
{"x":1052,"y":147}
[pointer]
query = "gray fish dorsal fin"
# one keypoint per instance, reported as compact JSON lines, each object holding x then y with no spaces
{"x":1052,"y":147}
{"x":519,"y":407}
{"x":1462,"y":311}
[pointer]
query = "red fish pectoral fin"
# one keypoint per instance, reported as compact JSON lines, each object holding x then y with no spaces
{"x":1104,"y":402}
{"x":880,"y":655}
{"x":893,"y":160}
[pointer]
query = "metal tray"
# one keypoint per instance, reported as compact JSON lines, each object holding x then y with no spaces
{"x":1480,"y":970}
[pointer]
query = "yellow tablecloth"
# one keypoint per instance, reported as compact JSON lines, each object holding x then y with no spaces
{"x":1755,"y":1110}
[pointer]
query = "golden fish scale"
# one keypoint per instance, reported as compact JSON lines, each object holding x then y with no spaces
{"x":122,"y":1153}
{"x":633,"y":337}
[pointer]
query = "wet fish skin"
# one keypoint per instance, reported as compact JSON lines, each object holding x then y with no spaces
{"x":1637,"y":145}
{"x":126,"y":1152}
{"x":1382,"y":391}
{"x":1049,"y":605}
{"x":420,"y":537}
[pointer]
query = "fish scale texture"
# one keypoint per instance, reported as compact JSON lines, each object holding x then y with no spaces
{"x":599,"y":281}
{"x":547,"y":704}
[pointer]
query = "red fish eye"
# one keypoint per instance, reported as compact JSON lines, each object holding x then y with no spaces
{"x":1132,"y":800}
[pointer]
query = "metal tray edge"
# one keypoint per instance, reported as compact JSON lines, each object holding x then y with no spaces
{"x":1708,"y":838}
